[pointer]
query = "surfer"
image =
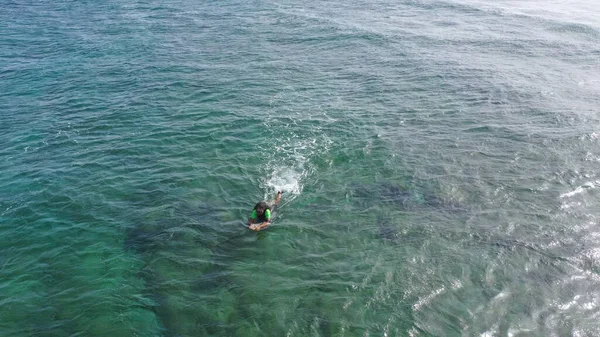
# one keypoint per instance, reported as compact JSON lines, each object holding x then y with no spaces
{"x":261,"y":214}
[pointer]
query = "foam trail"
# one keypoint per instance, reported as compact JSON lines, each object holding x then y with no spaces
{"x":297,"y":140}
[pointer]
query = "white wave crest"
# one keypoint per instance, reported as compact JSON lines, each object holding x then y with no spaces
{"x":581,"y":189}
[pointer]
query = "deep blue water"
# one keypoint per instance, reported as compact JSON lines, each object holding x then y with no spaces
{"x":439,"y":158}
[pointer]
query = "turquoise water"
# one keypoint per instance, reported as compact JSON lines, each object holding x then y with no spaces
{"x":440,"y":162}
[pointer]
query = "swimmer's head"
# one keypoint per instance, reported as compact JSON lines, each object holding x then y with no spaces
{"x":261,"y":207}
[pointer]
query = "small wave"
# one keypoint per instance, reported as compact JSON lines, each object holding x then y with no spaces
{"x":427,"y":299}
{"x":581,"y":189}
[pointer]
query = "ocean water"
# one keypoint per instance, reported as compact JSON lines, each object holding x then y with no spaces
{"x":439,"y":161}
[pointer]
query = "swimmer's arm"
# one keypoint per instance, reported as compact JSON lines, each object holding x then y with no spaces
{"x":257,"y":227}
{"x":262,"y":225}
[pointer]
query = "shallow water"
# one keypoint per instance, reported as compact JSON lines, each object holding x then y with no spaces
{"x":439,"y":160}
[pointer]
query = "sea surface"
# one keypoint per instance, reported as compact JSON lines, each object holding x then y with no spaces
{"x":440,"y":162}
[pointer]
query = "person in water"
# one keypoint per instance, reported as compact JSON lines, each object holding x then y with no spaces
{"x":261,"y":214}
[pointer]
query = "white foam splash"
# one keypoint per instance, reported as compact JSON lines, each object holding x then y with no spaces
{"x":291,"y":163}
{"x":490,"y":333}
{"x":285,"y":179}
